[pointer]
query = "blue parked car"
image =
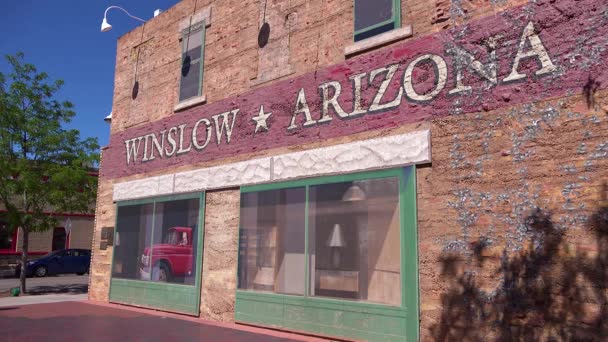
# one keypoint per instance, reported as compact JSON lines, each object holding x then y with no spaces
{"x":59,"y":262}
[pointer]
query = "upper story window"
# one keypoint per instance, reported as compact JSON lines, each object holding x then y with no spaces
{"x":373,"y":17}
{"x":193,"y":55}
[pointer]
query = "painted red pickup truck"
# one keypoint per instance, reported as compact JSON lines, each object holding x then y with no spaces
{"x":171,"y":259}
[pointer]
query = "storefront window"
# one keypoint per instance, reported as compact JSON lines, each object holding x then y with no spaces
{"x":352,"y":232}
{"x":354,"y":242}
{"x":173,"y":257}
{"x":272,"y":241}
{"x":157,"y":241}
{"x":133,"y":236}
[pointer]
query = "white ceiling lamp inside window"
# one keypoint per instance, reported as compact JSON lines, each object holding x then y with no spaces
{"x":354,"y":193}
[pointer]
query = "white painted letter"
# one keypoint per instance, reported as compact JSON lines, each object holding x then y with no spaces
{"x":464,"y":59}
{"x":333,"y":101}
{"x":357,"y":106}
{"x":146,"y":137}
{"x":132,"y":149}
{"x":155,"y":145}
{"x":171,"y":140}
{"x":441,"y":76}
{"x":301,"y":107}
{"x":219,"y":128}
{"x":538,"y":51}
{"x":194,"y":134}
{"x":181,"y":141}
{"x":390,"y":73}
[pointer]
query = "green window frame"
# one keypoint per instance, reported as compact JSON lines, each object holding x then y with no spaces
{"x":384,"y":26}
{"x":343,"y":317}
{"x":173,"y":297}
{"x":190,"y":36}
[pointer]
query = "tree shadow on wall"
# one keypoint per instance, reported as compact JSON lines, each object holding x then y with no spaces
{"x":547,"y":291}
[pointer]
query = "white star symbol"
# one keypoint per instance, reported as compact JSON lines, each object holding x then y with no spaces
{"x":260,"y":120}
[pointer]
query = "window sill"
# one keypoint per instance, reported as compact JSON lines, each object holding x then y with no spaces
{"x":379,"y":40}
{"x":190,"y":103}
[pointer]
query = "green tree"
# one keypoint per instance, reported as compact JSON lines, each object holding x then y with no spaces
{"x":44,"y":167}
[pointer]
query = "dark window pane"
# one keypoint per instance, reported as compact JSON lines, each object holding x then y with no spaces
{"x":271,"y":247}
{"x":372,"y":12}
{"x":6,"y":236}
{"x":374,"y":32}
{"x":175,"y":242}
{"x":190,"y":83}
{"x":354,"y":241}
{"x":59,"y":238}
{"x":133,"y":236}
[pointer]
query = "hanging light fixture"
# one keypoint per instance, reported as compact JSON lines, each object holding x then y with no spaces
{"x":354,"y":193}
{"x":105,"y":26}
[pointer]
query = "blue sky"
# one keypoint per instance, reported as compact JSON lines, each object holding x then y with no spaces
{"x":63,"y":38}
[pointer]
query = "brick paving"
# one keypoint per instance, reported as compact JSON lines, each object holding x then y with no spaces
{"x":83,"y":321}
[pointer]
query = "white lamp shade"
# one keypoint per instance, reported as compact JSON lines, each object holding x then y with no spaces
{"x":353,"y":193}
{"x":336,"y":239}
{"x":105,"y":27}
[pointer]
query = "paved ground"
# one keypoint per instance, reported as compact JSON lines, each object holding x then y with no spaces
{"x":40,"y":299}
{"x":70,"y":284}
{"x":83,"y":321}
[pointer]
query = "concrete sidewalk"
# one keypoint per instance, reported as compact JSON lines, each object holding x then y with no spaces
{"x":40,"y":299}
{"x":85,"y":321}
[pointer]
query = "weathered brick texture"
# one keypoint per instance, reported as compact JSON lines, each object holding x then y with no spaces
{"x":220,"y":255}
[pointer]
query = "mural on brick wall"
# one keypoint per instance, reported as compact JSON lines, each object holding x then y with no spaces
{"x":519,"y":56}
{"x":526,"y":187}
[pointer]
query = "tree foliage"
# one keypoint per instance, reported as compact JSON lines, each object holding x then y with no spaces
{"x":44,"y":167}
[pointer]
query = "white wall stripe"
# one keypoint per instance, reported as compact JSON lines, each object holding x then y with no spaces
{"x":365,"y":155}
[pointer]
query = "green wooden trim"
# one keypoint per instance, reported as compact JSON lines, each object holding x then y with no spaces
{"x":155,"y":295}
{"x":306,"y":251}
{"x":323,"y":180}
{"x":199,"y":250}
{"x":203,"y":26}
{"x":322,"y":302}
{"x":396,"y":19}
{"x":397,"y":13}
{"x":350,"y":319}
{"x":200,"y":83}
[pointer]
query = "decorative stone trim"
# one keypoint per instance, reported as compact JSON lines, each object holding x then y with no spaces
{"x":224,"y":176}
{"x":190,"y":103}
{"x":397,"y":150}
{"x":379,"y":40}
{"x":147,"y":187}
{"x":379,"y":153}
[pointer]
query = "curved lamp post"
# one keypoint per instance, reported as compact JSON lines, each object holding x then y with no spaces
{"x":105,"y":26}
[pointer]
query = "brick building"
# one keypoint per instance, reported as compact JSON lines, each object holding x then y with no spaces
{"x":377,"y":170}
{"x":79,"y":234}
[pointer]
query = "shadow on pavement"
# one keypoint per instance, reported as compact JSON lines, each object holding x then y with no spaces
{"x":58,"y":289}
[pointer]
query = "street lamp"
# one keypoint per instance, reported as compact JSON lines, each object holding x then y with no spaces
{"x":105,"y":26}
